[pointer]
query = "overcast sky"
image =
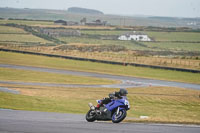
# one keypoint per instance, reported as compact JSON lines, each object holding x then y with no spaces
{"x":172,"y":8}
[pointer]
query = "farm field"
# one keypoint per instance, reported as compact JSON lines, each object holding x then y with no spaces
{"x":157,"y":36}
{"x":166,"y":40}
{"x":153,"y":46}
{"x":175,"y":36}
{"x":131,"y":58}
{"x":121,"y":56}
{"x":172,"y":49}
{"x":52,"y":25}
{"x":21,"y":38}
{"x":11,"y":30}
{"x":104,"y":32}
{"x":174,"y":46}
{"x":177,"y":48}
{"x":12,"y":35}
{"x":26,"y":22}
{"x":79,"y":27}
{"x":127,"y":44}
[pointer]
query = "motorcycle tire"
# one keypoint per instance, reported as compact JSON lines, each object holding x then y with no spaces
{"x":90,"y":117}
{"x":120,"y":117}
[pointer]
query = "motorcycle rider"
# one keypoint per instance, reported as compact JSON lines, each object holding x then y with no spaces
{"x":119,"y":95}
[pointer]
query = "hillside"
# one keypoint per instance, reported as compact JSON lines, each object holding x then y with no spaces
{"x":50,"y":14}
{"x":84,"y":10}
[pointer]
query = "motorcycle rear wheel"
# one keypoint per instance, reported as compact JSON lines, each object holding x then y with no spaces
{"x":90,"y":116}
{"x":116,"y":118}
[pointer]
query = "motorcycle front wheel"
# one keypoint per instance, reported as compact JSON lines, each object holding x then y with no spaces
{"x":116,"y":118}
{"x":91,"y":116}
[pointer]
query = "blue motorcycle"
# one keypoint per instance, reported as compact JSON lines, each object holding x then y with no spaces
{"x":115,"y":111}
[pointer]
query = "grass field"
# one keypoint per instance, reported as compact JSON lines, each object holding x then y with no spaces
{"x":7,"y":74}
{"x":128,"y":44}
{"x":174,"y":46}
{"x":9,"y":30}
{"x":182,"y":41}
{"x":161,"y":104}
{"x":157,"y":36}
{"x":175,"y":36}
{"x":78,"y":27}
{"x":41,"y":61}
{"x":16,"y":35}
{"x":30,"y":23}
{"x":99,"y":52}
{"x":21,"y":38}
{"x":185,"y":41}
{"x":133,"y":58}
{"x":92,"y":51}
{"x":103,"y":32}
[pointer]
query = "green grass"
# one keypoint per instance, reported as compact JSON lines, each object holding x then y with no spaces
{"x":35,"y":103}
{"x":103,"y":32}
{"x":30,"y":23}
{"x":174,"y":46}
{"x":174,"y":36}
{"x":158,"y":36}
{"x":41,"y":61}
{"x":127,"y":44}
{"x":9,"y":30}
{"x":163,"y":104}
{"x":164,"y":37}
{"x":21,"y":38}
{"x":33,"y":76}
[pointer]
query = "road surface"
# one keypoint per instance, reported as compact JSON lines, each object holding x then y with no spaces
{"x":13,"y":121}
{"x":127,"y":82}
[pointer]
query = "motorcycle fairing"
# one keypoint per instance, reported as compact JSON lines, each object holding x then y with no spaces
{"x":105,"y":114}
{"x":114,"y":104}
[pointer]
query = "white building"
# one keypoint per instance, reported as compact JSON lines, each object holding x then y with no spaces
{"x":137,"y":36}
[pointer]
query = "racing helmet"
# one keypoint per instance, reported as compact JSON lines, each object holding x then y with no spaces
{"x":123,"y":92}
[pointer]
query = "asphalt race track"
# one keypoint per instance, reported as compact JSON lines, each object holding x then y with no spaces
{"x":13,"y":121}
{"x":127,"y":82}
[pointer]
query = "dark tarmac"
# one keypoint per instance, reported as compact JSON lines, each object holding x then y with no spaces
{"x":126,"y":81}
{"x":14,"y":121}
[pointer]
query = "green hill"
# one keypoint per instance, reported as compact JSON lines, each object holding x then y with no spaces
{"x":76,"y":14}
{"x":84,"y":10}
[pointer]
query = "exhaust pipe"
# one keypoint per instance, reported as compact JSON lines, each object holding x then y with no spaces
{"x":91,"y":106}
